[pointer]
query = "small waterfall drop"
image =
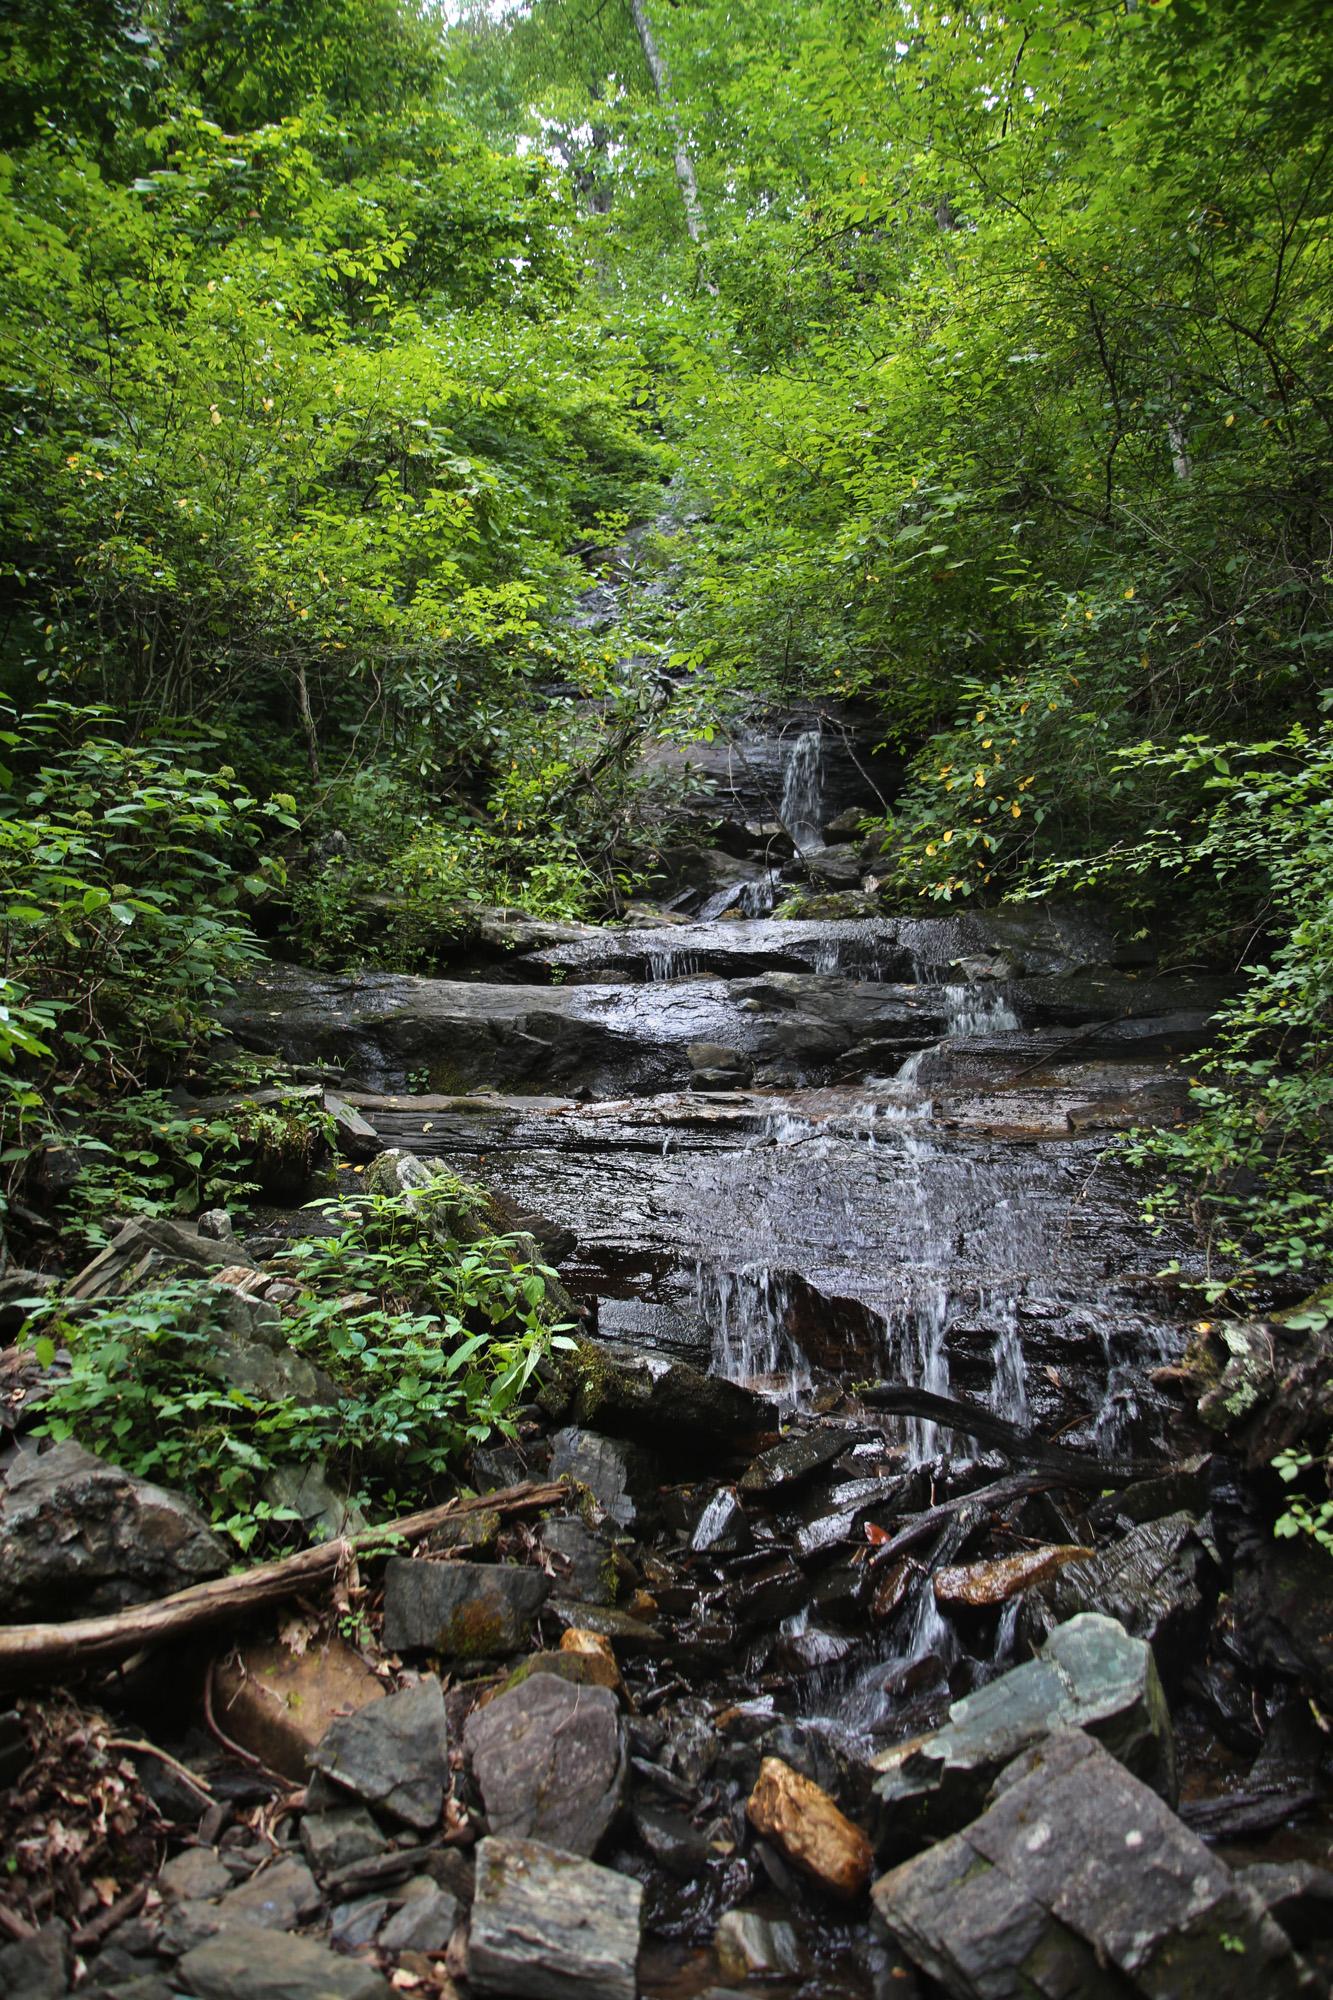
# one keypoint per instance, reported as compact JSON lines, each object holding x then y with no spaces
{"x":803,"y":791}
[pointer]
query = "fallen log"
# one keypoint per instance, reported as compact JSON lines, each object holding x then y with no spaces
{"x":1067,"y":1468}
{"x":1001,"y":1493}
{"x":29,"y":1649}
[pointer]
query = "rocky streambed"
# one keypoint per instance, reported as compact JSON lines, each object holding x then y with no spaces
{"x":861,"y":1609}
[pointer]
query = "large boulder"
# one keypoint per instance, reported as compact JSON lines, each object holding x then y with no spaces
{"x":550,"y":1762}
{"x":1152,"y":1580}
{"x":78,"y":1535}
{"x":549,"y":1926}
{"x":1078,"y":1879}
{"x":634,"y":1393}
{"x":1091,"y":1675}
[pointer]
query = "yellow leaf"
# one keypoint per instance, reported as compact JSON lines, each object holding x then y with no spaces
{"x":1129,"y":593}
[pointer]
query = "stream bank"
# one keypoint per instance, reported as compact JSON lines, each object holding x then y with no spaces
{"x":753,"y":1704}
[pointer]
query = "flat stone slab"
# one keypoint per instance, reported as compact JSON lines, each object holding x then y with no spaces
{"x":796,"y":1456}
{"x":1091,"y":1675}
{"x":466,"y":1610}
{"x":550,"y":1762}
{"x":1079,"y":1880}
{"x":245,"y":1963}
{"x":392,"y":1755}
{"x":549,"y":1926}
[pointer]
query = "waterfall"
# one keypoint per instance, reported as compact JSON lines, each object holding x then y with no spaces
{"x":747,"y":1311}
{"x":803,"y":791}
{"x":977,"y":1010}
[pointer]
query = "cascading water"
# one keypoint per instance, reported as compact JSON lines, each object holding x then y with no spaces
{"x":803,"y":791}
{"x":977,"y":1010}
{"x":747,"y":1311}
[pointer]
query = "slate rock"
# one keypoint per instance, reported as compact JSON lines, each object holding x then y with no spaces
{"x":426,"y":1922}
{"x":1079,"y":1879}
{"x":796,"y":1456}
{"x":1091,"y":1675}
{"x":149,"y":1247}
{"x":547,"y":1925}
{"x":633,"y":1392}
{"x":621,"y":1477}
{"x":195,"y":1873}
{"x":607,"y":1621}
{"x":78,"y":1535}
{"x":1151,"y":1580}
{"x":1297,"y":1893}
{"x":354,"y":1925}
{"x":673,"y":1841}
{"x":338,"y":1839}
{"x":393,"y":1755}
{"x":465,"y":1610}
{"x":749,"y":1946}
{"x":34,"y":1968}
{"x":591,"y":1573}
{"x":246,"y":1963}
{"x":276,"y":1899}
{"x":550,"y":1762}
{"x":722,"y":1529}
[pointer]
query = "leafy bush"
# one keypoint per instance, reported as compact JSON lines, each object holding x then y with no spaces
{"x":429,"y":1339}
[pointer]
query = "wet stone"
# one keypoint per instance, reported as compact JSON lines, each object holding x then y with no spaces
{"x":815,"y":1836}
{"x":463,"y":1610}
{"x":722,"y":1528}
{"x":591,"y":1571}
{"x":674,"y":1843}
{"x":636,"y":1393}
{"x":1297,"y":1893}
{"x":1150,"y":1580}
{"x":245,"y":1963}
{"x":549,"y":1926}
{"x":34,"y":1967}
{"x":550,"y":1762}
{"x":392,"y":1755}
{"x":1091,"y":1675}
{"x":607,"y":1622}
{"x":748,"y":1946}
{"x":620,"y":1476}
{"x":796,"y":1456}
{"x":978,"y":1586}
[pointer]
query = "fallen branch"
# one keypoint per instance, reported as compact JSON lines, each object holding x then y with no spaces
{"x":1067,"y":1468}
{"x":922,"y":1526}
{"x":26,"y":1650}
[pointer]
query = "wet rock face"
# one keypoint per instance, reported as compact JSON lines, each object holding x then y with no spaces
{"x":549,"y":1760}
{"x":465,"y":1610}
{"x":1078,"y":1879}
{"x":548,"y":1926}
{"x":621,"y":1477}
{"x":632,"y":1392}
{"x":78,"y":1535}
{"x":1153,"y":1580}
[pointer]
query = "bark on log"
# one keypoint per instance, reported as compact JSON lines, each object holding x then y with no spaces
{"x":1002,"y":1493}
{"x":28,"y":1650}
{"x":1066,"y":1468}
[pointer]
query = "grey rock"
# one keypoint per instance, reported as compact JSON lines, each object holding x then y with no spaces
{"x":79,"y":1535}
{"x":1297,"y":1893}
{"x":1150,"y":1580}
{"x":1078,"y":1879}
{"x":216,"y":1225}
{"x":722,"y":1529}
{"x":465,"y":1610}
{"x":794,"y":1457}
{"x":276,"y":1899}
{"x":246,"y":1963}
{"x":1091,"y":1675}
{"x":324,"y":1510}
{"x":334,"y":1840}
{"x":392,"y":1755}
{"x":591,"y":1574}
{"x":35,"y":1967}
{"x":714,"y":1067}
{"x":153,"y":1247}
{"x":549,"y":1760}
{"x":549,"y":1926}
{"x":620,"y":1476}
{"x":634,"y":1393}
{"x":749,"y":1946}
{"x":194,"y":1874}
{"x":356,"y":1136}
{"x":424,"y":1923}
{"x":607,"y":1621}
{"x":353,"y":1925}
{"x":673,"y":1841}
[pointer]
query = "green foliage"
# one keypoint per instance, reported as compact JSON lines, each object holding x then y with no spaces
{"x":430,"y":1341}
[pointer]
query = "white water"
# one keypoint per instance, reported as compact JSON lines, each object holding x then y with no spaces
{"x":747,"y":1311}
{"x":803,"y":791}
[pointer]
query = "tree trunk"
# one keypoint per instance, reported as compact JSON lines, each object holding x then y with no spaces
{"x":661,"y":76}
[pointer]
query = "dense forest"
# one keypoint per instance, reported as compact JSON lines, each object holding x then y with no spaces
{"x":963,"y":371}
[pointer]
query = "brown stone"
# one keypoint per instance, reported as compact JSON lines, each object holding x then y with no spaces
{"x":976,"y":1586}
{"x":593,"y":1647}
{"x":812,"y":1832}
{"x":277,"y":1703}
